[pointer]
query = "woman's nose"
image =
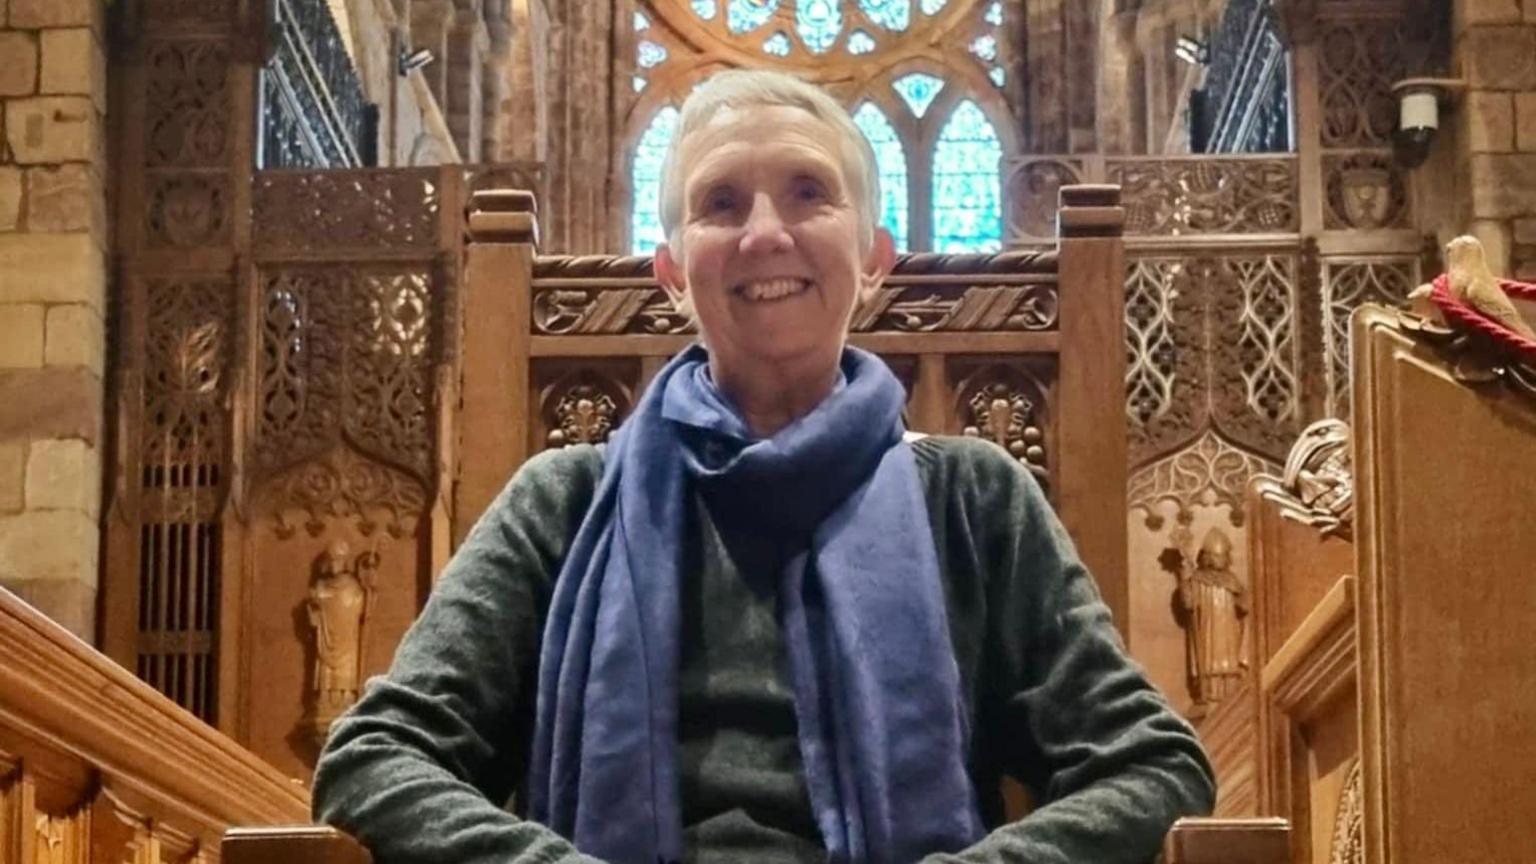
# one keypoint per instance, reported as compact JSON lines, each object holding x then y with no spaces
{"x":765,"y":230}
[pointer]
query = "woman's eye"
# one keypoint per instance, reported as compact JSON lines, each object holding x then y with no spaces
{"x":719,"y":202}
{"x":809,"y":190}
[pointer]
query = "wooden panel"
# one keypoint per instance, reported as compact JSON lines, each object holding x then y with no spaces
{"x":1293,"y":566}
{"x":1448,"y":677}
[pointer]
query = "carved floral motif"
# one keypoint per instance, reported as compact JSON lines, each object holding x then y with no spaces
{"x":187,"y":210}
{"x":563,"y":311}
{"x":359,"y":209}
{"x":924,"y":309}
{"x":583,"y":407}
{"x":1348,"y":845}
{"x":1006,"y":405}
{"x":1202,"y":195}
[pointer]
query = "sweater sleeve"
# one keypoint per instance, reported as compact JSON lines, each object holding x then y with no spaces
{"x":1110,"y":764}
{"x":420,"y":768}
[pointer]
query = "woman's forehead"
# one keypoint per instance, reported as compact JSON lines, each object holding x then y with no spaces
{"x":749,"y":137}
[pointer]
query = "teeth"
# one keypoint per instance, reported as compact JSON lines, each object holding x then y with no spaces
{"x":773,"y":289}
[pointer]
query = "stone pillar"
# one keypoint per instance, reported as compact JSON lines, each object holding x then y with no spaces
{"x":468,"y":42}
{"x":53,"y":281}
{"x":1495,"y":48}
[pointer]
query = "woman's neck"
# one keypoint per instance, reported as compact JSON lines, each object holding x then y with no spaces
{"x":772,"y":396}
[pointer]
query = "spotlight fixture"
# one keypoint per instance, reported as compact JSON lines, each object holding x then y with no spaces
{"x":1419,"y":101}
{"x":1192,"y":51}
{"x":410,"y":61}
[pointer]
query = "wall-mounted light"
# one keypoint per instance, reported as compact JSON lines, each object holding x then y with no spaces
{"x":410,"y":61}
{"x":1192,"y":51}
{"x":1419,"y":101}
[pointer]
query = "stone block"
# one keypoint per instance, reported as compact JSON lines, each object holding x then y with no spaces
{"x":1494,"y":235}
{"x":1500,"y":57}
{"x":64,"y":474}
{"x":69,"y":603}
{"x":46,"y":129}
{"x":51,"y":402}
{"x":1488,"y":11}
{"x":1490,"y":122}
{"x":75,"y":336}
{"x":53,"y":545}
{"x":1503,"y":185}
{"x":67,"y":197}
{"x":13,"y":471}
{"x":21,"y":335}
{"x":74,"y":63}
{"x":10,"y":197}
{"x":52,"y":268}
{"x":1525,"y":121}
{"x":37,"y":14}
{"x":18,"y":63}
{"x":1525,"y":231}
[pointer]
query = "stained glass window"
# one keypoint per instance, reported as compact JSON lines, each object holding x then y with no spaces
{"x":639,"y":83}
{"x":860,"y":42}
{"x":918,"y":89}
{"x":641,"y":22}
{"x":650,"y":54}
{"x":745,"y":15}
{"x":932,"y":7}
{"x":891,"y":160}
{"x":890,"y":14}
{"x":645,"y":175}
{"x":998,"y":76}
{"x":985,"y":48}
{"x":777,"y":45}
{"x":995,"y":14}
{"x":967,"y":206}
{"x":705,"y":9}
{"x":819,"y":23}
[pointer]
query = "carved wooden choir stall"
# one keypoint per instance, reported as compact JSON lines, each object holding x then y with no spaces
{"x":1395,"y":681}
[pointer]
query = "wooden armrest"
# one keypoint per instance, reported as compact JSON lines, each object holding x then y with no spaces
{"x":292,"y":844}
{"x":1228,"y":841}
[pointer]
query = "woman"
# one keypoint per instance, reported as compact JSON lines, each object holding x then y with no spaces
{"x":762,"y":624}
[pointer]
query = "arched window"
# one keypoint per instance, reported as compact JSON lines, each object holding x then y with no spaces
{"x":891,"y":159}
{"x":967,"y":204}
{"x":923,"y":79}
{"x":645,"y":215}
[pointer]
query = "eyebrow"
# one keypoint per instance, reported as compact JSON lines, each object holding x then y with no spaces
{"x":717,"y":176}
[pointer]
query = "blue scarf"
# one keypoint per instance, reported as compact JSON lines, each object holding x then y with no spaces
{"x":881,"y":719}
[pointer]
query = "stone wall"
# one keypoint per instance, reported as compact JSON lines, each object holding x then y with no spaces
{"x":53,"y":279}
{"x":1496,"y":128}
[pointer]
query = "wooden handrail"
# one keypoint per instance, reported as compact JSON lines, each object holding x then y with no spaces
{"x":1228,"y":841}
{"x":78,"y":732}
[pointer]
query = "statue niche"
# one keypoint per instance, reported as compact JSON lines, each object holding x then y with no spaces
{"x":1212,"y":606}
{"x":338,"y":608}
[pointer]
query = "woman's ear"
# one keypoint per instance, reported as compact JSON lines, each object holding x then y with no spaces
{"x":877,"y":263}
{"x":669,"y":273}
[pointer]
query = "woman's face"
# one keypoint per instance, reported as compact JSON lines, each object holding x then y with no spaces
{"x":769,"y":255}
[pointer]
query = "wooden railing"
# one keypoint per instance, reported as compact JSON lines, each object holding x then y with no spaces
{"x":96,"y":766}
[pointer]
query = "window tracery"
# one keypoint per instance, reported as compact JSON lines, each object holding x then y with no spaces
{"x":923,"y":79}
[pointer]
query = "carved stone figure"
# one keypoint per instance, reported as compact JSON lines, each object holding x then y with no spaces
{"x":1317,"y":486}
{"x":1214,"y":604}
{"x":340,"y":599}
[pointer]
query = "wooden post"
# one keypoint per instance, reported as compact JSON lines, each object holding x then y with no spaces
{"x":494,"y":375}
{"x":1091,"y":421}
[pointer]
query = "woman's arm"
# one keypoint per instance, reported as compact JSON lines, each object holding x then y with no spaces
{"x":1110,"y":763}
{"x":419,"y":769}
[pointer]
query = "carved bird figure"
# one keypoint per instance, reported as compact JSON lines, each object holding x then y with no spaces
{"x":1474,"y":284}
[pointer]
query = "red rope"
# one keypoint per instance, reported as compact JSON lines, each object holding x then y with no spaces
{"x":1459,"y":313}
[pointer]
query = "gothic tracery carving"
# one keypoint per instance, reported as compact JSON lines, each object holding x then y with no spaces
{"x":1358,"y":61}
{"x":1210,"y":472}
{"x":344,"y":485}
{"x":187,"y":104}
{"x":1201,"y":195}
{"x":1347,"y":286}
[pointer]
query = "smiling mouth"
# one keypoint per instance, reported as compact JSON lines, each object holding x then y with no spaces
{"x":767,"y":290}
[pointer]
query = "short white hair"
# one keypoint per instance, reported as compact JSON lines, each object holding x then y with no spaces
{"x":755,"y":88}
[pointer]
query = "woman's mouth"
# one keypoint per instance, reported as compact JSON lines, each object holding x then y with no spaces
{"x":765,"y":290}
